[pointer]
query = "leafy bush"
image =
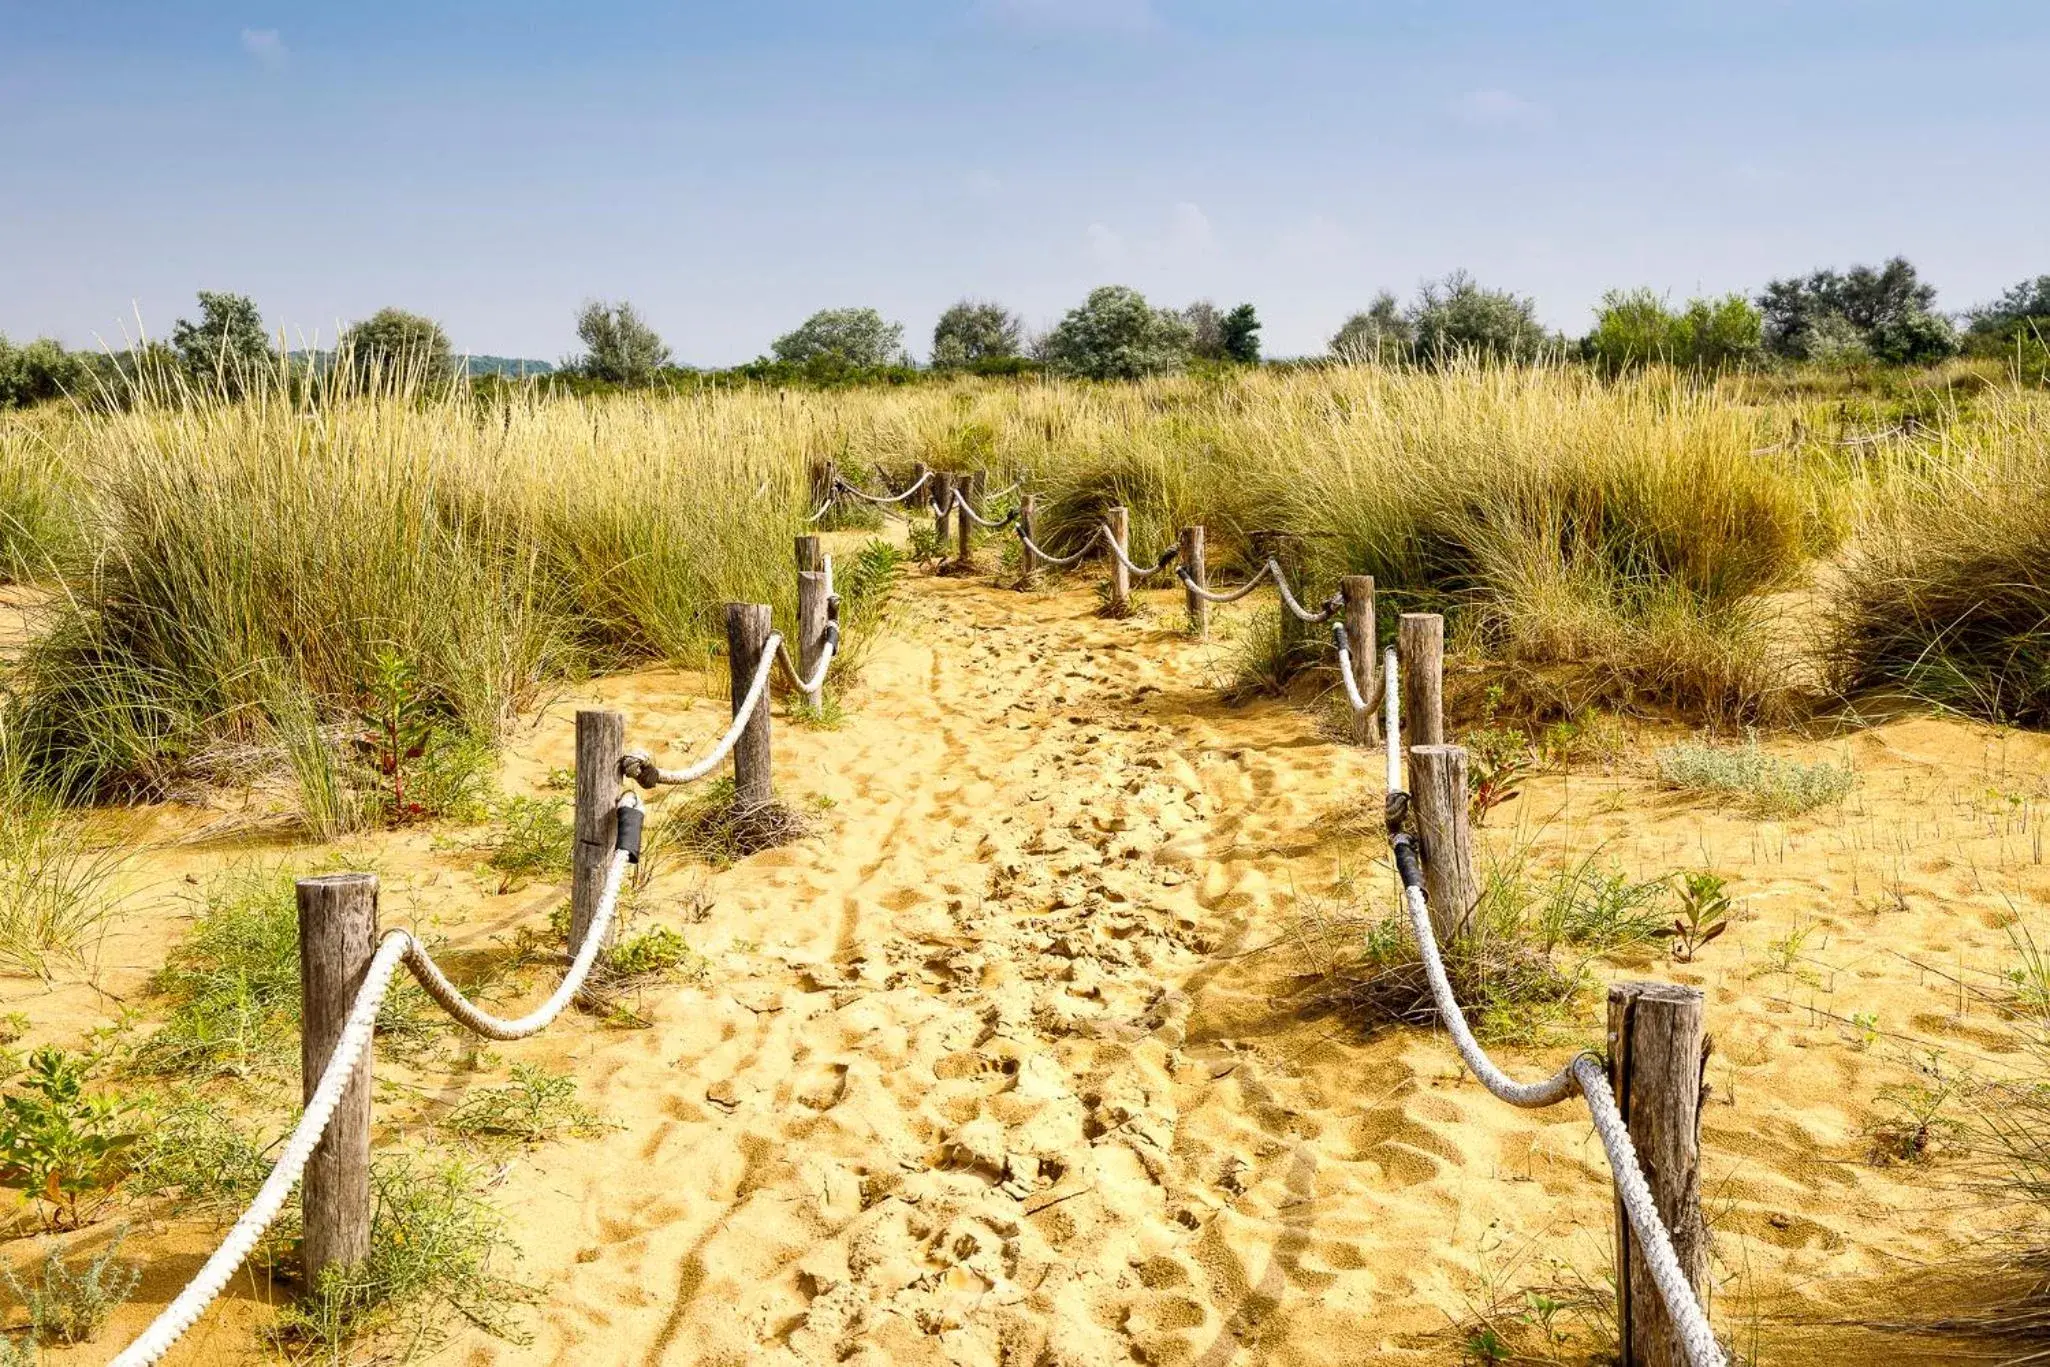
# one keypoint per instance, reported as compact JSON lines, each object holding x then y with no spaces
{"x":71,"y":1306}
{"x":975,"y":332}
{"x":40,"y":371}
{"x":1457,"y":317}
{"x":226,"y":351}
{"x":1635,"y":328}
{"x":621,"y":348}
{"x":192,"y":1153}
{"x":1116,"y":335}
{"x":1381,"y":334}
{"x":853,"y":337}
{"x":398,"y":351}
{"x":1767,"y":785}
{"x":66,"y":1149}
{"x":1889,"y":311}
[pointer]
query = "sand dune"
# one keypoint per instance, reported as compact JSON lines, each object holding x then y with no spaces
{"x":997,"y":1067}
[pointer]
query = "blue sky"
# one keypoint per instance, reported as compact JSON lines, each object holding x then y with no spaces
{"x":730,"y":168}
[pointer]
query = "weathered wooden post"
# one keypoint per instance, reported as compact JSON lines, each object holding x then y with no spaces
{"x":812,"y":592}
{"x":1438,"y":801}
{"x":1120,"y":520}
{"x":1028,"y":526}
{"x":1420,"y":643}
{"x":1658,"y":1057}
{"x":1358,"y":592}
{"x":971,"y":486}
{"x":337,"y":940}
{"x":601,"y":743}
{"x":942,"y":487}
{"x":1190,"y":554}
{"x":747,"y":636}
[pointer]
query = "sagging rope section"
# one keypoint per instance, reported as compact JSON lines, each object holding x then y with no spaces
{"x":396,"y":947}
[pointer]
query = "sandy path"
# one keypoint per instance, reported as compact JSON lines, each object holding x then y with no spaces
{"x":987,"y":1071}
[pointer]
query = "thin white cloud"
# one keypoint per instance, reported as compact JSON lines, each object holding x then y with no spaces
{"x":1106,"y":246}
{"x":1499,"y":109}
{"x":266,"y":47}
{"x":1069,"y":16}
{"x":1189,"y":235}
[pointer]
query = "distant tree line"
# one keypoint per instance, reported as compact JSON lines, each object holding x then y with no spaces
{"x":1863,"y":315}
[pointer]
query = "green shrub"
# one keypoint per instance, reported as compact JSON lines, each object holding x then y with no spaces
{"x":1765,"y":784}
{"x":534,"y":840}
{"x":192,"y":1153}
{"x":1116,"y":335}
{"x":64,"y":1147}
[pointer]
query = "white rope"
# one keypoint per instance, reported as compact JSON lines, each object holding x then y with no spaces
{"x":1117,"y":549}
{"x":1302,"y":613}
{"x":1059,"y":561}
{"x":642,"y":769}
{"x":818,"y":678}
{"x":824,"y":508}
{"x":1227,"y":595}
{"x":1352,"y":685}
{"x":977,"y":518}
{"x":1012,"y":488}
{"x":916,"y":485}
{"x":396,"y":947}
{"x":1391,"y":703}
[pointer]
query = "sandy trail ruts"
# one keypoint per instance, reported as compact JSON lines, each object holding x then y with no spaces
{"x":995,"y":1069}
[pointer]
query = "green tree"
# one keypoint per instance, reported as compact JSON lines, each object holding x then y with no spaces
{"x":39,"y":371}
{"x":1117,"y":335}
{"x":397,"y":349}
{"x":226,"y":350}
{"x":1890,"y":310}
{"x":1380,"y":334}
{"x":1206,"y":330}
{"x":1635,"y":327}
{"x":1241,"y":335}
{"x":853,"y":337}
{"x":2023,"y":310}
{"x":973,"y":330}
{"x":1457,"y":316}
{"x":619,"y":346}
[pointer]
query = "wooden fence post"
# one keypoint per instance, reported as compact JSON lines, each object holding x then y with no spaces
{"x":1120,"y":520}
{"x":811,"y":614}
{"x":1438,"y":800}
{"x":942,"y":487}
{"x":601,"y":743}
{"x":337,"y":940}
{"x":1028,"y":525}
{"x":747,"y":635}
{"x":1658,"y":1056}
{"x":1358,"y":592}
{"x":972,"y":486}
{"x":1420,"y":645}
{"x":1190,"y":555}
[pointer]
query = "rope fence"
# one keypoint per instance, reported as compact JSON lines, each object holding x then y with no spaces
{"x":1643,"y":1102}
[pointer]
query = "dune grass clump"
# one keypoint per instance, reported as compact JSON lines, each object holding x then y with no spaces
{"x":1766,"y":785}
{"x":59,"y":879}
{"x":1618,"y":541}
{"x":1946,"y":596}
{"x":40,"y":526}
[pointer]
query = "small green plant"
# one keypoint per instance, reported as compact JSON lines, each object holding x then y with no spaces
{"x":714,"y":828}
{"x":71,"y":1306}
{"x":533,"y":840}
{"x":1500,"y":758}
{"x":58,"y":886}
{"x":1764,"y":784}
{"x":1704,"y":914}
{"x":396,"y":722}
{"x":1596,"y":909}
{"x":657,"y":950}
{"x":926,"y":545}
{"x":434,"y":1244}
{"x":1866,"y":1023}
{"x":534,"y":1106}
{"x":1783,"y":955}
{"x":827,"y":716}
{"x":65,"y":1148}
{"x":191,"y":1153}
{"x":1486,"y":1346}
{"x":1911,"y":1126}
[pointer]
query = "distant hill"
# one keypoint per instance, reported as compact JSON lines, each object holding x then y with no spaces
{"x":513,"y":367}
{"x":508,"y":365}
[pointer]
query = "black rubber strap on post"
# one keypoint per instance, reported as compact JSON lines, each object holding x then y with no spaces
{"x":1396,"y":813}
{"x":1339,"y":639}
{"x":1408,"y":863}
{"x":1166,"y":558}
{"x":832,"y":609}
{"x":630,"y":820}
